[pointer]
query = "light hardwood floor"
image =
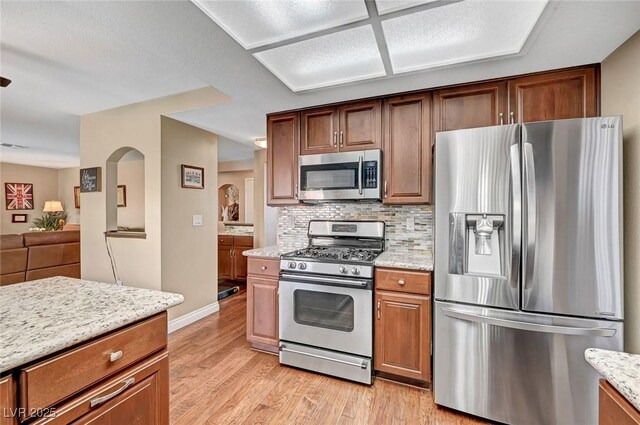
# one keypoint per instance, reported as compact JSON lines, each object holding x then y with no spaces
{"x":217,"y":379}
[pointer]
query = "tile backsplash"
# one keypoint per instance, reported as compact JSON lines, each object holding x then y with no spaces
{"x":293,"y":222}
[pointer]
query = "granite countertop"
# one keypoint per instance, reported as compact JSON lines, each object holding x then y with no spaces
{"x":416,"y":260}
{"x":45,"y":316}
{"x":622,"y":370}
{"x":235,"y":233}
{"x":272,"y":251}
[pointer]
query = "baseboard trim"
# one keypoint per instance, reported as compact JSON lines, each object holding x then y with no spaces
{"x":192,"y":317}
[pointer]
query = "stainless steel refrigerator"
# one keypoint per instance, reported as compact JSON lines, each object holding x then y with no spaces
{"x":528,"y":267}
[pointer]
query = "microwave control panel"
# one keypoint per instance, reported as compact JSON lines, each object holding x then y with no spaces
{"x":370,"y":174}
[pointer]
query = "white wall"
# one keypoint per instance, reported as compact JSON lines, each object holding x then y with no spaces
{"x":621,"y":96}
{"x":45,"y":188}
{"x":67,"y":179}
{"x":102,"y":133}
{"x":189,"y":254}
{"x":131,"y":174}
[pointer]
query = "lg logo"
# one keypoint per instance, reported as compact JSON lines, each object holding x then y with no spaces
{"x":603,"y":126}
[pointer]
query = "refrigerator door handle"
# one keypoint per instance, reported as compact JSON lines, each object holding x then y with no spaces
{"x":527,"y":326}
{"x":532,"y":219}
{"x":516,"y":215}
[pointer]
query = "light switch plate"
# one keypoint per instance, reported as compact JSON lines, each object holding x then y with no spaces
{"x":411,"y":224}
{"x":197,"y":220}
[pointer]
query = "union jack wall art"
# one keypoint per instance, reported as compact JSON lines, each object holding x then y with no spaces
{"x":18,"y":196}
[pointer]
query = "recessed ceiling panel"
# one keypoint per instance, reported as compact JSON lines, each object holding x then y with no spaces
{"x":337,"y":58}
{"x":388,"y":6}
{"x":459,"y":32}
{"x":255,"y":23}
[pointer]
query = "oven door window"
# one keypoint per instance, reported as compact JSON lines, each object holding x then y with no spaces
{"x":323,"y":310}
{"x":329,"y":176}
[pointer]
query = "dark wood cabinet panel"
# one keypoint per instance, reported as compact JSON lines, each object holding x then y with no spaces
{"x":407,"y":149}
{"x":470,"y":106}
{"x":231,"y":263}
{"x":225,"y":262}
{"x":403,"y":335}
{"x":283,"y":144}
{"x":319,"y":131}
{"x":360,"y":126}
{"x":262,"y":311}
{"x":614,"y":409}
{"x":8,"y":401}
{"x":554,"y":95}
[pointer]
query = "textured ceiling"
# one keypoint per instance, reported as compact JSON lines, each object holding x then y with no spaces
{"x":71,"y":58}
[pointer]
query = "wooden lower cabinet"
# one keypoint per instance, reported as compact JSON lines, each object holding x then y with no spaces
{"x":232,"y":264}
{"x":262,"y":304}
{"x":8,"y":401}
{"x":614,"y":409}
{"x":118,"y":378}
{"x":402,"y":330}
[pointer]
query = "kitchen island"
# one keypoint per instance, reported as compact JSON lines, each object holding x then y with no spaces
{"x":76,"y":350}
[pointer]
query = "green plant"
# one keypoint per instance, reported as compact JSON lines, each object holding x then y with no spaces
{"x":51,"y":221}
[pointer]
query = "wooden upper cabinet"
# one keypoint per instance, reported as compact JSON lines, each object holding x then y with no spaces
{"x":470,"y":106}
{"x":554,"y":95}
{"x":319,"y":131}
{"x":406,"y":141}
{"x":283,"y":145}
{"x":360,"y":126}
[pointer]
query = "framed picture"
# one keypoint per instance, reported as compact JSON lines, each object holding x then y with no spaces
{"x":91,"y":179}
{"x":18,"y":218}
{"x":192,"y":177}
{"x":18,"y":196}
{"x":76,"y":196}
{"x":122,"y":195}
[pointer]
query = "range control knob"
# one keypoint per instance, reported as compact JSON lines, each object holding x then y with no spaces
{"x":343,"y":269}
{"x":292,"y":265}
{"x":355,"y":271}
{"x":302,"y":266}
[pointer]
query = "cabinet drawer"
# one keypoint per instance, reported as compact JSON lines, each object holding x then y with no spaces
{"x":264,"y":267}
{"x":243,"y":241}
{"x":403,"y":281}
{"x":140,"y":394}
{"x":53,"y":380}
{"x":225,"y":241}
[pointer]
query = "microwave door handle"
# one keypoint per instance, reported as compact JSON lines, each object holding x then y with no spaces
{"x":360,"y":175}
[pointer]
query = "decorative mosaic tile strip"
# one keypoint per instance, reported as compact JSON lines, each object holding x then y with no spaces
{"x":293,"y":222}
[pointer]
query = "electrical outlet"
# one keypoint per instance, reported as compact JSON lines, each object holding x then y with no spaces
{"x":411,"y":224}
{"x":197,"y":220}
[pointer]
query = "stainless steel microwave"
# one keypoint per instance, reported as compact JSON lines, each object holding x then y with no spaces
{"x":353,"y":176}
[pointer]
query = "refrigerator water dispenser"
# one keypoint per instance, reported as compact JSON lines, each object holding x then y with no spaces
{"x":476,"y":244}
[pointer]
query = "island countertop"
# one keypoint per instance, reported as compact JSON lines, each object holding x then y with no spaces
{"x":622,"y":370}
{"x":45,"y":316}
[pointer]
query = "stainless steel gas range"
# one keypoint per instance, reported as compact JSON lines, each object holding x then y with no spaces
{"x":326,"y":299}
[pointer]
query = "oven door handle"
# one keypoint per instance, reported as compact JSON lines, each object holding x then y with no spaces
{"x":362,"y":365}
{"x":317,"y":279}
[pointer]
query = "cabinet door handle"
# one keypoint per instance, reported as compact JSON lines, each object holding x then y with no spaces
{"x":385,"y":189}
{"x":263,"y":268}
{"x":295,"y":192}
{"x":335,"y":139}
{"x":378,"y":309}
{"x":512,"y":117}
{"x":341,"y":139}
{"x":501,"y":115}
{"x":116,"y":355}
{"x":401,"y":282}
{"x":99,"y":400}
